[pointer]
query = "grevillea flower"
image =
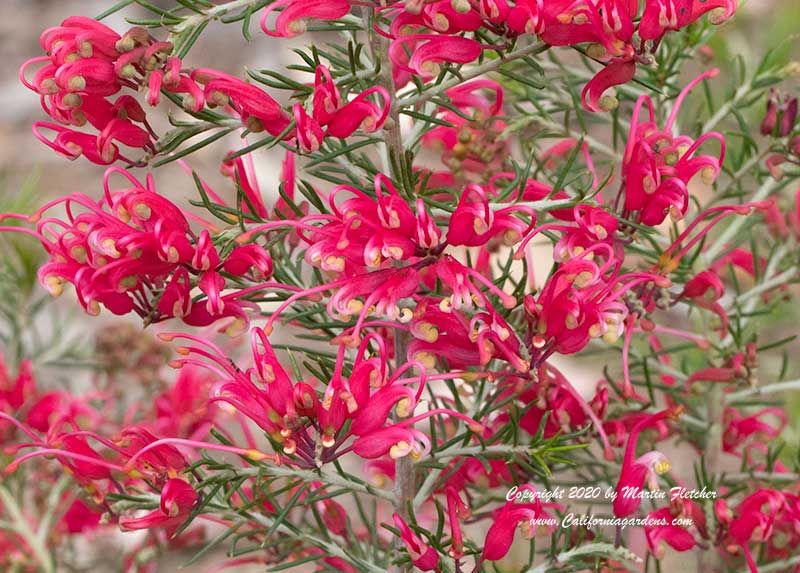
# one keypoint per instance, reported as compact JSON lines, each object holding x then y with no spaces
{"x":554,"y":398}
{"x":748,"y":434}
{"x":474,"y":223}
{"x":429,"y":51}
{"x":665,"y":531}
{"x":579,"y":302}
{"x":423,"y":556}
{"x":590,"y":226}
{"x":660,"y":16}
{"x":595,"y":95}
{"x":766,"y":516}
{"x":309,"y":426}
{"x":513,"y":515}
{"x":645,"y":468}
{"x":365,"y":232}
{"x":255,"y":107}
{"x":440,"y":331}
{"x":177,"y":500}
{"x":609,"y":27}
{"x":292,"y":19}
{"x":342,"y":120}
{"x":657,"y":166}
{"x":705,"y":290}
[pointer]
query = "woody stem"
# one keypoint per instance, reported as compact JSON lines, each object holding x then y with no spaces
{"x":405,"y":485}
{"x":710,"y":560}
{"x":379,"y":49}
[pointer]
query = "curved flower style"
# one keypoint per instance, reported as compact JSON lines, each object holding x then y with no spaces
{"x":292,"y":19}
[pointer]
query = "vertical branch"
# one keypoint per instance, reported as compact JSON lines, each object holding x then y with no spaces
{"x":709,"y":560}
{"x":405,"y":478}
{"x":379,"y":48}
{"x":405,"y":483}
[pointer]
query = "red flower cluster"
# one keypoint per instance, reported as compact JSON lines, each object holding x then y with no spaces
{"x":313,"y":429}
{"x":657,"y":166}
{"x":134,"y":251}
{"x":87,"y":63}
{"x":428,"y":33}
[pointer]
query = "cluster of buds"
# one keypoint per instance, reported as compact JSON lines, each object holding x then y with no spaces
{"x":471,"y":143}
{"x":779,"y":123}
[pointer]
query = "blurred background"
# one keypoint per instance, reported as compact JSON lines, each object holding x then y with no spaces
{"x":31,"y":173}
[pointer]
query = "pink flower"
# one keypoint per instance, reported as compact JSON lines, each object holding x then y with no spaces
{"x":676,"y":537}
{"x":423,"y":556}
{"x":366,"y":232}
{"x":767,"y":517}
{"x":441,"y":331}
{"x":645,"y":468}
{"x":508,"y":518}
{"x":86,"y":63}
{"x":292,"y":19}
{"x":177,"y":500}
{"x":580,"y":302}
{"x":474,"y":223}
{"x":657,"y":166}
{"x":705,"y":290}
{"x":255,"y":107}
{"x":429,"y":51}
{"x":122,"y":251}
{"x":752,"y":433}
{"x":660,"y":16}
{"x":595,"y":96}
